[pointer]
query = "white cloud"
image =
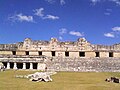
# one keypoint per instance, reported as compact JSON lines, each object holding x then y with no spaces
{"x":115,"y":32}
{"x":62,"y":31}
{"x":109,"y":10}
{"x":39,"y":12}
{"x":50,"y":1}
{"x":60,"y":38}
{"x":20,"y":17}
{"x":51,"y":17}
{"x":75,"y":33}
{"x":109,"y":35}
{"x":95,"y":1}
{"x":62,"y":2}
{"x":24,"y":18}
{"x":107,"y":13}
{"x":116,"y":28}
{"x":116,"y":1}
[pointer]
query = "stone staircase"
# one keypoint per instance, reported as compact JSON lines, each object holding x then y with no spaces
{"x":84,"y":64}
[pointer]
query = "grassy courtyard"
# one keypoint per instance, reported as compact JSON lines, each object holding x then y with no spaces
{"x":61,"y":81}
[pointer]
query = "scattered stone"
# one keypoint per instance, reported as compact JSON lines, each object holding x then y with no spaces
{"x":2,"y":67}
{"x":38,"y":76}
{"x":113,"y":79}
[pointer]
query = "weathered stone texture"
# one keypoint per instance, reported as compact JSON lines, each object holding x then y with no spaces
{"x":79,"y":55}
{"x":89,"y":64}
{"x":46,"y":47}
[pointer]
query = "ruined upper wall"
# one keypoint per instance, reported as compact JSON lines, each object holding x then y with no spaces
{"x":115,"y":47}
{"x":7,"y":47}
{"x":54,"y":45}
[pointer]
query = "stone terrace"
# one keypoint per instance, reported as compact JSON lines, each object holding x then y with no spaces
{"x":85,"y":64}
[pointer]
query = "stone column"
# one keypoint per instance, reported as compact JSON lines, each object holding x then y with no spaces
{"x":15,"y":66}
{"x":41,"y":66}
{"x":31,"y":65}
{"x":38,"y":66}
{"x":8,"y":65}
{"x":24,"y":65}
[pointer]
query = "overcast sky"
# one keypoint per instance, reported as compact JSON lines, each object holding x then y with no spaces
{"x":67,"y":20}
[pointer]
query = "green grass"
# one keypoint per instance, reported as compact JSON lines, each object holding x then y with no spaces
{"x":61,"y":81}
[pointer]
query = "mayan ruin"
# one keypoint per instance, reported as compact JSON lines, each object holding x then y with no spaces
{"x":59,"y":44}
{"x":79,"y":55}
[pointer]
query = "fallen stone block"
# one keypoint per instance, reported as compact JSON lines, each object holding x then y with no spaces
{"x":38,"y":76}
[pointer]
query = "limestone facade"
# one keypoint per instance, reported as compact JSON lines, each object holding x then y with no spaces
{"x":54,"y":48}
{"x":31,"y":54}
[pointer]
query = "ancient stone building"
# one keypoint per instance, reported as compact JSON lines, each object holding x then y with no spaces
{"x":79,"y":55}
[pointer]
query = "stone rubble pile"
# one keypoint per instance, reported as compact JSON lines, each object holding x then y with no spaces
{"x":38,"y":76}
{"x":113,"y":79}
{"x":2,"y":67}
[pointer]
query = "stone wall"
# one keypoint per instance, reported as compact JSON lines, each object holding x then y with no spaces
{"x":54,"y":45}
{"x":8,"y":47}
{"x":47,"y":47}
{"x":85,"y":64}
{"x":77,"y":55}
{"x":71,"y":54}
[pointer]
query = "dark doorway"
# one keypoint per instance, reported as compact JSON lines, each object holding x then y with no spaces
{"x":53,"y":53}
{"x":5,"y":64}
{"x":27,"y":65}
{"x":67,"y":54}
{"x":40,"y":52}
{"x":19,"y":65}
{"x":82,"y":54}
{"x":27,"y":52}
{"x":97,"y":54}
{"x":11,"y":65}
{"x":14,"y":52}
{"x":110,"y":54}
{"x":35,"y":65}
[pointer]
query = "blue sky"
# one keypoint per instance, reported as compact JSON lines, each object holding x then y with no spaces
{"x":67,"y":20}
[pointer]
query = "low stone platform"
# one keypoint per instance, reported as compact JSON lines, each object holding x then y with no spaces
{"x":110,"y":64}
{"x":85,"y":64}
